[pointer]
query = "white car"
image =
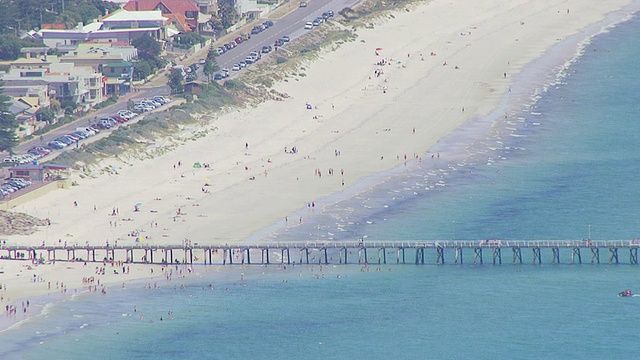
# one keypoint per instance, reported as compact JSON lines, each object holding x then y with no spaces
{"x":308,"y":25}
{"x":236,"y":67}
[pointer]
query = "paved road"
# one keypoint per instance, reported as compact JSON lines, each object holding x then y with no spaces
{"x":89,"y":119}
{"x":292,"y":24}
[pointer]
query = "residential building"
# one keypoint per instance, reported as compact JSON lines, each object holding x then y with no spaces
{"x":25,"y":115}
{"x":66,"y":82}
{"x":121,"y":27}
{"x":117,"y":77}
{"x":190,"y":9}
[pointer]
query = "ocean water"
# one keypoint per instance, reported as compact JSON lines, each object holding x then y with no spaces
{"x":563,"y":164}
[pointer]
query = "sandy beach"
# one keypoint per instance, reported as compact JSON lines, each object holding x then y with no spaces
{"x":377,"y":102}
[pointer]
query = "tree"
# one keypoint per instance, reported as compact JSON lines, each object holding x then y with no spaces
{"x":46,"y":114}
{"x":228,"y":15}
{"x":8,"y":123}
{"x":9,"y":47}
{"x":188,"y":39}
{"x":142,"y":70}
{"x":210,"y":68}
{"x":175,"y":81}
{"x":148,"y":48}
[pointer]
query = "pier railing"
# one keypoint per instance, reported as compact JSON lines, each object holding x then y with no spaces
{"x":325,"y":252}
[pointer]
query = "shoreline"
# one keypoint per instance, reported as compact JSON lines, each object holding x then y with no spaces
{"x":531,"y":83}
{"x":358,"y":178}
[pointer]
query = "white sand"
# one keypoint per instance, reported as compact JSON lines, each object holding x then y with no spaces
{"x":485,"y":39}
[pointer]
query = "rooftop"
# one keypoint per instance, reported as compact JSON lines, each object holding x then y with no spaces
{"x":174,"y":6}
{"x":124,"y":15}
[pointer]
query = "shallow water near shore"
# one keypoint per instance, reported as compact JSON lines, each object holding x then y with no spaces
{"x":566,"y":168}
{"x":341,"y":312}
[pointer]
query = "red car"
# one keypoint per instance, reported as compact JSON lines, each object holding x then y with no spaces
{"x":120,"y":119}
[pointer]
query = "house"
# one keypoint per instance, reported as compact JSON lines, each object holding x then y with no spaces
{"x":66,"y":82}
{"x":190,"y":9}
{"x":193,"y":87}
{"x":207,"y":6}
{"x":123,"y":19}
{"x":36,"y":95}
{"x":34,"y":52}
{"x":25,"y":115}
{"x":121,"y":27}
{"x":117,"y":77}
{"x":45,"y":172}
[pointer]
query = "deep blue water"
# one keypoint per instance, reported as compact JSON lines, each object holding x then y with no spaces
{"x":565,"y":167}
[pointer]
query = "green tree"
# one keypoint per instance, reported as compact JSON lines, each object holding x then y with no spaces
{"x":175,"y":81}
{"x":216,"y":23}
{"x":210,"y":68}
{"x":189,"y":39}
{"x":142,"y":70}
{"x":9,"y":47}
{"x":228,"y":15}
{"x":8,"y":123}
{"x":148,"y":48}
{"x":46,"y":114}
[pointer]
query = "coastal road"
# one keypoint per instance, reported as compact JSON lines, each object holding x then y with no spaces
{"x":92,"y":118}
{"x":291,"y":24}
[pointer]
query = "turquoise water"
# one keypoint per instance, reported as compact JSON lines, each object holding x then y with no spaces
{"x":564,"y":168}
{"x":413,"y":312}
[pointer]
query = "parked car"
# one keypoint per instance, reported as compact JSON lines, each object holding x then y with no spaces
{"x":236,"y":67}
{"x":141,"y":108}
{"x":308,"y":25}
{"x":243,"y":64}
{"x":55,"y":144}
{"x":266,"y":49}
{"x":303,"y":4}
{"x":239,"y":40}
{"x":278,"y":43}
{"x":285,"y":38}
{"x":163,"y":100}
{"x":268,"y":23}
{"x":217,"y":76}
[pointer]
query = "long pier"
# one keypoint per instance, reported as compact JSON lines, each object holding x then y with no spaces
{"x":419,"y":252}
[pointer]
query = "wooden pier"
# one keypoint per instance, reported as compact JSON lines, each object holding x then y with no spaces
{"x":417,"y":252}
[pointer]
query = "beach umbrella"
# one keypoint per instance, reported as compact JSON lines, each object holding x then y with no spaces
{"x":207,"y":180}
{"x":139,"y":204}
{"x":378,"y":48}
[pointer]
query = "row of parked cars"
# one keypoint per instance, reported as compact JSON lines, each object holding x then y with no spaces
{"x":12,"y":185}
{"x":319,"y":20}
{"x":253,"y":57}
{"x":34,"y":153}
{"x":150,"y":104}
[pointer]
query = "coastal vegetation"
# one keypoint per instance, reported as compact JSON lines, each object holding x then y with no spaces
{"x":189,"y":120}
{"x":8,"y":123}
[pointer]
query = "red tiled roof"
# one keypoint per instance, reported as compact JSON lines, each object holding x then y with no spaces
{"x":180,"y":21}
{"x":174,"y":6}
{"x":56,"y":26}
